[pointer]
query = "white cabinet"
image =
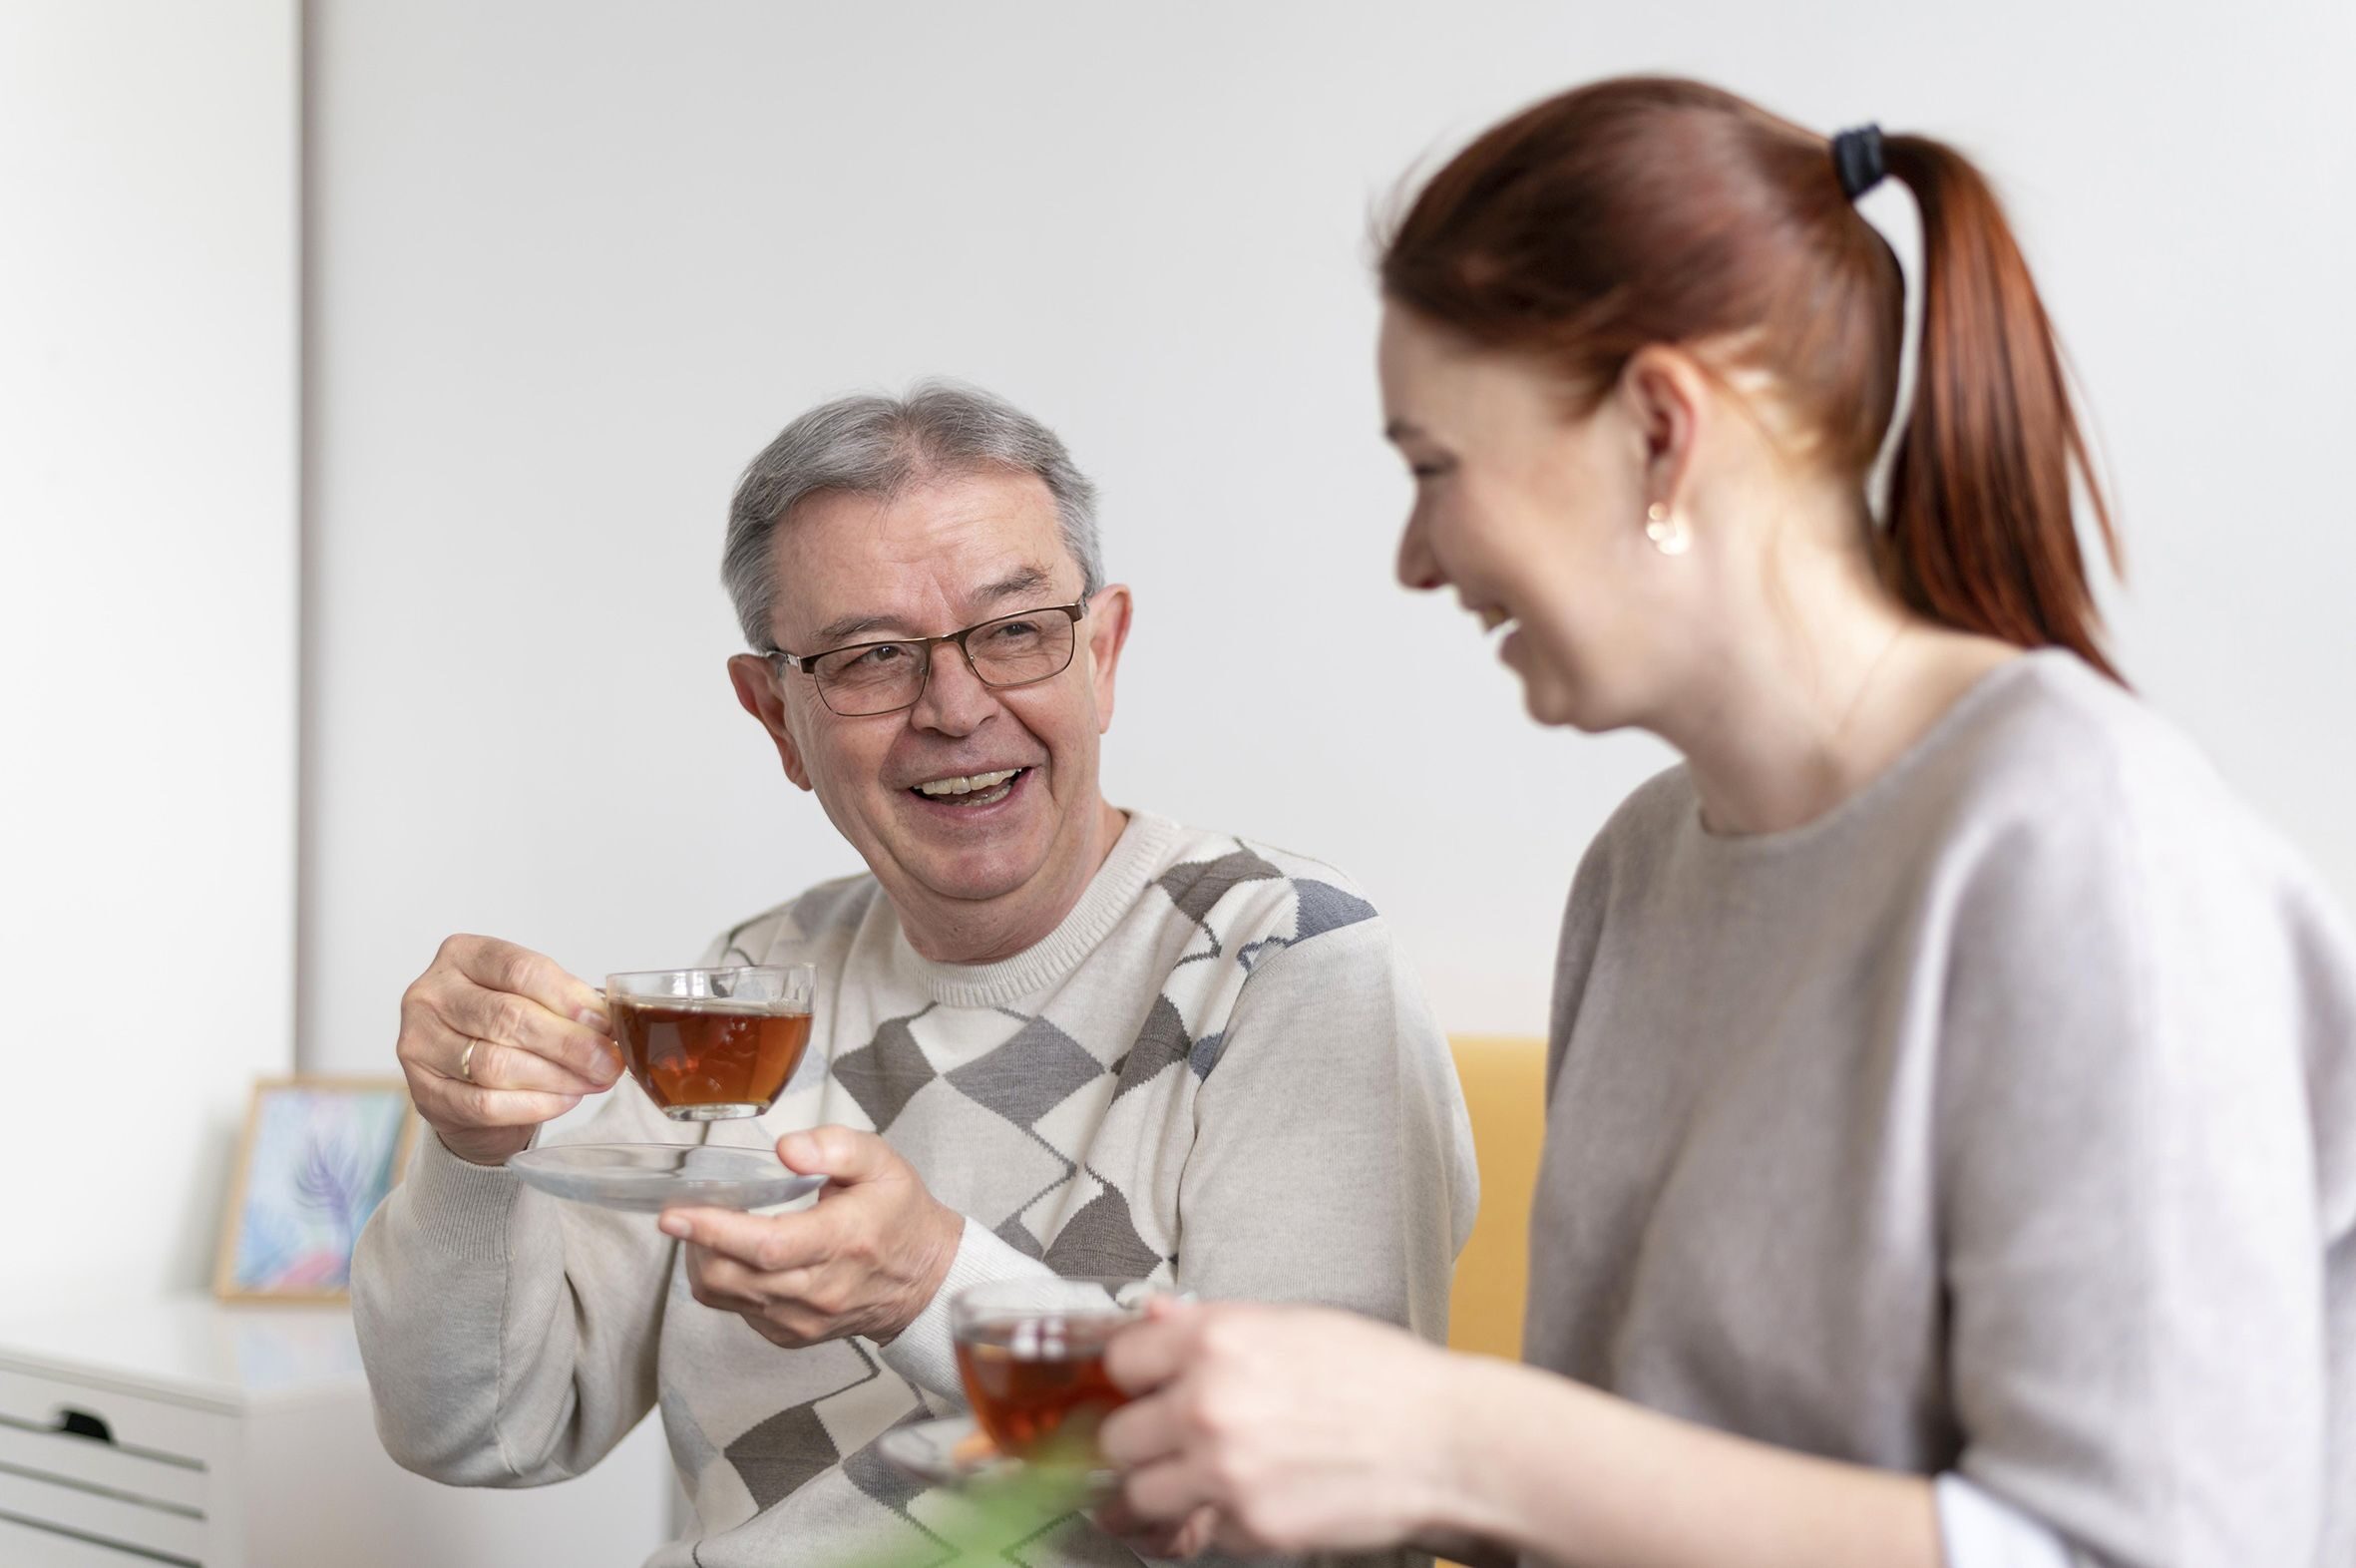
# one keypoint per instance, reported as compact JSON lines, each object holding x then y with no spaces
{"x":205,"y":1435}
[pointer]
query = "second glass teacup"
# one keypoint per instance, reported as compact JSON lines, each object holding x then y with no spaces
{"x":707,"y":1044}
{"x":1030,"y":1352}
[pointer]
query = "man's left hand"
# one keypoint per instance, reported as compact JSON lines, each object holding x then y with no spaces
{"x":866,"y":1259}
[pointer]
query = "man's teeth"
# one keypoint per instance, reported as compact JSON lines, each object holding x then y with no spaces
{"x":969,"y":784}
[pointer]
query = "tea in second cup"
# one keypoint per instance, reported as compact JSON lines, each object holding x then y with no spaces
{"x":711,"y":1043}
{"x":1031,"y":1354}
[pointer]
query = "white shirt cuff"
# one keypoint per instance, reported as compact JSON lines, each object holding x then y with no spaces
{"x":1979,"y":1531}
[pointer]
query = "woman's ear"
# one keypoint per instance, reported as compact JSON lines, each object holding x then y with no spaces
{"x":1665,"y":395}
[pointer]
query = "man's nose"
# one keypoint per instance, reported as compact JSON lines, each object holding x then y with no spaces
{"x":955,"y":701}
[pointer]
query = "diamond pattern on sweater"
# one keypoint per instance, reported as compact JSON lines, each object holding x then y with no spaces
{"x":1160,"y":1042}
{"x":1102,"y":1239}
{"x":836,"y":1398}
{"x":1020,"y":1167}
{"x":885,"y":1074}
{"x":880,"y":1479}
{"x":1321,"y":906}
{"x":788,"y":1449}
{"x":1047,"y":1132}
{"x":1197,"y":886}
{"x":861,"y":1411}
{"x":1018,"y":1235}
{"x":1029,"y":1076}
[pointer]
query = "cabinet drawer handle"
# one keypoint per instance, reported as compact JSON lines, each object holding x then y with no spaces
{"x":81,"y":1423}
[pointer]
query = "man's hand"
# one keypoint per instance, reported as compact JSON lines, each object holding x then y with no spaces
{"x":865,"y":1259}
{"x":496,"y":1040}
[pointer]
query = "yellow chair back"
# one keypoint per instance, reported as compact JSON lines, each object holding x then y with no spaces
{"x":1504,"y":1081}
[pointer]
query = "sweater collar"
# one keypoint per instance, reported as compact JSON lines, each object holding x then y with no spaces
{"x":1137,"y":854}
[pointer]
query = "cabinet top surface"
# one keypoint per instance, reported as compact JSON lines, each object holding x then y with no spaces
{"x":192,"y":1349}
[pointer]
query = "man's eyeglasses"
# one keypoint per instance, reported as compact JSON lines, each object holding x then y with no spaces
{"x":866,"y":678}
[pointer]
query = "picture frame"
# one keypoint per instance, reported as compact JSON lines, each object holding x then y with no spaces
{"x":319,"y":1154}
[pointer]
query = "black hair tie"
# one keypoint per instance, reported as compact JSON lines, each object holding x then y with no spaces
{"x":1856,"y":156}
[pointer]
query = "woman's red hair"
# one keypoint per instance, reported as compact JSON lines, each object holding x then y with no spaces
{"x":1648,"y":209}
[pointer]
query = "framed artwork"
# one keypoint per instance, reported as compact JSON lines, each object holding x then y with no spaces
{"x":318,"y":1155}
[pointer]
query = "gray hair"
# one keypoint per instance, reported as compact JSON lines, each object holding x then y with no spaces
{"x":873,"y":446}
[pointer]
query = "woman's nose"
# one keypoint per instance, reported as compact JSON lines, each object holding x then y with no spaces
{"x":1418,"y":567}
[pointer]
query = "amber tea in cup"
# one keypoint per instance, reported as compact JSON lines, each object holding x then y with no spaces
{"x":711,"y":1043}
{"x":1031,"y":1354}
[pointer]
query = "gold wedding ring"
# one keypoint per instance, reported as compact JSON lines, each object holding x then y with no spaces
{"x":466,"y":1062}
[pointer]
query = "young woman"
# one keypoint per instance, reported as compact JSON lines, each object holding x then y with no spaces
{"x":1951,"y":1149}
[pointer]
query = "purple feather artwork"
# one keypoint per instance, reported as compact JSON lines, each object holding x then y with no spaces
{"x":321,"y":1162}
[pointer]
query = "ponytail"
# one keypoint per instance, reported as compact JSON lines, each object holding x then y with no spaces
{"x":1980,"y":531}
{"x":1649,"y":209}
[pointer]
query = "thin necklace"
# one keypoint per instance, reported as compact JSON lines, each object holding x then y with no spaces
{"x":1863,"y":686}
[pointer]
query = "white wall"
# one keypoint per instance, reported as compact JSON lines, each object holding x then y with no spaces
{"x":148,"y":462}
{"x":576,"y":261}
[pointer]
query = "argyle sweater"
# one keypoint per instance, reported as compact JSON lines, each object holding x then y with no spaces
{"x":1216,"y":1072}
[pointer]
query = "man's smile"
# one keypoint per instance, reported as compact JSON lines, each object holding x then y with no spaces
{"x":968,"y":792}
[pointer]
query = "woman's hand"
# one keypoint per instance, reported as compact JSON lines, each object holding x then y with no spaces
{"x":1300,"y":1429}
{"x":1156,"y":1538}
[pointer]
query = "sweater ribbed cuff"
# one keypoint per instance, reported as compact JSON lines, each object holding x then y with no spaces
{"x":924,"y":1353}
{"x":458,"y":1206}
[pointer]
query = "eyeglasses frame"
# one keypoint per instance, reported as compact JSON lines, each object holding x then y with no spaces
{"x":1077,"y":611}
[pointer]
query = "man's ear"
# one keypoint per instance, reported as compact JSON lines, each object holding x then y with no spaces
{"x":1107,"y":628}
{"x":758,"y":692}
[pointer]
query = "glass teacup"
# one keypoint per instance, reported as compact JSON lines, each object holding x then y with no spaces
{"x":1031,"y":1354}
{"x":711,"y":1043}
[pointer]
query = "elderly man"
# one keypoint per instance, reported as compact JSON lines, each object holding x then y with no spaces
{"x":1051,"y":1036}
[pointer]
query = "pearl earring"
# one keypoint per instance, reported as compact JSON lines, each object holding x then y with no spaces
{"x":1664,"y":528}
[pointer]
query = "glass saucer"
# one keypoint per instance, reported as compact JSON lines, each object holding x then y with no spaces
{"x":953,"y":1451}
{"x":650,"y":1177}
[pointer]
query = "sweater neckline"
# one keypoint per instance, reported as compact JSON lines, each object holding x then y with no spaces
{"x":1134,"y":858}
{"x":1867,"y":800}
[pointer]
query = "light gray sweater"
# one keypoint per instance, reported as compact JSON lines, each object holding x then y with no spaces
{"x":1998,"y":1127}
{"x":1217,"y":1071}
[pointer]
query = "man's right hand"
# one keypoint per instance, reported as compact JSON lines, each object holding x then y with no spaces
{"x":495,"y":1040}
